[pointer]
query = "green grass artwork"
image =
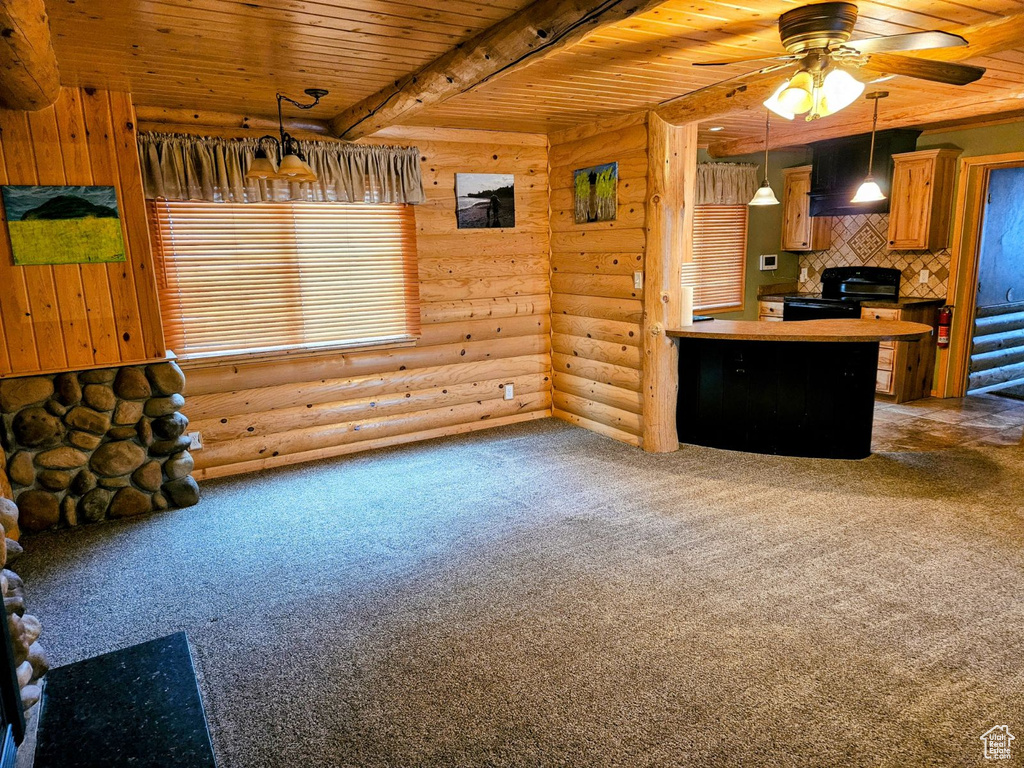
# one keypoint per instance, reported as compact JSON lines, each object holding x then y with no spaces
{"x":596,"y":193}
{"x":63,"y":225}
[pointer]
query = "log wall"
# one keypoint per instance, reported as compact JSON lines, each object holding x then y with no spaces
{"x":596,"y":311}
{"x":486,"y":322}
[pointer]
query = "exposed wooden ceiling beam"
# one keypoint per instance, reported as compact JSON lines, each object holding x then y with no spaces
{"x":748,"y":92}
{"x":528,"y":36}
{"x":29,"y":79}
{"x":957,"y":110}
{"x":161,"y":118}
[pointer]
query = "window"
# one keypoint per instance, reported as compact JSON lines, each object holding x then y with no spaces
{"x":718,"y":271}
{"x":269,"y":277}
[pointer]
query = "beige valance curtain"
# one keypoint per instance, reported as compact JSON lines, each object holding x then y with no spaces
{"x":726,"y":183}
{"x":179,"y":166}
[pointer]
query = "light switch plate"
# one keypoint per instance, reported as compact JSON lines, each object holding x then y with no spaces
{"x":923,"y":275}
{"x":803,"y":275}
{"x":510,"y":391}
{"x":197,"y":441}
{"x":769,"y":261}
{"x":638,"y":280}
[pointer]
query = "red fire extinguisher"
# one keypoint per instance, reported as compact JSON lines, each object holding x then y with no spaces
{"x":945,"y":321}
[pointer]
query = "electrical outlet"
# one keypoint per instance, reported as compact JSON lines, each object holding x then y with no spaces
{"x":638,"y":280}
{"x":803,"y":275}
{"x":197,"y":441}
{"x":510,"y":391}
{"x":922,"y":276}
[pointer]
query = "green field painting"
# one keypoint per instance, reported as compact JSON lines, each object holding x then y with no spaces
{"x":596,"y":193}
{"x":63,"y":225}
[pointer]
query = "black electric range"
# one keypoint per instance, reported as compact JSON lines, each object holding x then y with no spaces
{"x":842,"y":291}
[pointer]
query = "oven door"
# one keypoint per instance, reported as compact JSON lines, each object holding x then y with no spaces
{"x":815,"y":310}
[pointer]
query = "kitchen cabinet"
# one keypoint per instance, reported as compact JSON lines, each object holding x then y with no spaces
{"x":801,"y":232}
{"x":905,"y":368}
{"x":770,"y":310}
{"x":922,"y":197}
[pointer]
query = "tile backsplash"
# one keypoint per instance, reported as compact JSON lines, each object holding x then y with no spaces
{"x":860,"y":241}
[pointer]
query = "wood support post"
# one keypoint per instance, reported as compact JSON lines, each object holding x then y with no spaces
{"x":29,"y":79}
{"x":671,"y":190}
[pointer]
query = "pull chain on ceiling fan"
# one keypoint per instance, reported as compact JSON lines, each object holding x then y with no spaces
{"x":818,"y":40}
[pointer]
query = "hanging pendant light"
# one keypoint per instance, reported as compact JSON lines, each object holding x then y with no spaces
{"x":291,"y":164}
{"x":869,"y":191}
{"x":764,"y":194}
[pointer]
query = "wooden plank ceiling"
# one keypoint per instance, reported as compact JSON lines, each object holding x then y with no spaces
{"x":227,"y":56}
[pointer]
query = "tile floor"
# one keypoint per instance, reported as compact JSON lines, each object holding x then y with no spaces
{"x":933,"y":424}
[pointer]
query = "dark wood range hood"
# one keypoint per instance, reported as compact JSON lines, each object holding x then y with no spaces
{"x":840,"y":165}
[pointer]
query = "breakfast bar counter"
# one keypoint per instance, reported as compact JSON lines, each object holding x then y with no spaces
{"x":793,"y":388}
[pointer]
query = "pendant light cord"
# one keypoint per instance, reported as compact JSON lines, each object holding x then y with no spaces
{"x":871,"y":155}
{"x":767,"y":128}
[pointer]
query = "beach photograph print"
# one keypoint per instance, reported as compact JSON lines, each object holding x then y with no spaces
{"x":63,"y":225}
{"x":596,"y":193}
{"x":485,"y":200}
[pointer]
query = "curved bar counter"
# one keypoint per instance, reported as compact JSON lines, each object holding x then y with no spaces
{"x":795,"y":389}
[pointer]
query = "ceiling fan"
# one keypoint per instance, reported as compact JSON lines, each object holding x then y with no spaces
{"x":818,"y":40}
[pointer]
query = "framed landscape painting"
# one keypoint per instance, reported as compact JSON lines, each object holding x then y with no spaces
{"x":485,"y":200}
{"x":596,"y":193}
{"x":63,"y":225}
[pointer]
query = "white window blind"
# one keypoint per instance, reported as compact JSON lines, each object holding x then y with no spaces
{"x":267,"y":277}
{"x":718,"y":271}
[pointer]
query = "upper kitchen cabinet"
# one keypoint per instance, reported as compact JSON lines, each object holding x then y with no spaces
{"x":922,"y":191}
{"x":800,"y":232}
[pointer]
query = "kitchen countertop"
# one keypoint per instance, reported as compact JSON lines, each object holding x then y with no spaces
{"x":843,"y":331}
{"x":905,"y":301}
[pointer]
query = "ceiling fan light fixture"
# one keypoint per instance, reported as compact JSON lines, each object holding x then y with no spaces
{"x":772,"y":103}
{"x":798,"y":94}
{"x":840,"y":89}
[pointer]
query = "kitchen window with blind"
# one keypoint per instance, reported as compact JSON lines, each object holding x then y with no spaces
{"x":718,"y":271}
{"x":248,"y":279}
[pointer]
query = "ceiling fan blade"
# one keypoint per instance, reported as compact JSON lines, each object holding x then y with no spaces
{"x":783,"y":57}
{"x":912,"y":41}
{"x":923,"y":69}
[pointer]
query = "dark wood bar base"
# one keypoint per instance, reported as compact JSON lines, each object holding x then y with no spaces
{"x":812,"y":399}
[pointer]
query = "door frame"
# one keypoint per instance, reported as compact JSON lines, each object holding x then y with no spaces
{"x":962,"y":289}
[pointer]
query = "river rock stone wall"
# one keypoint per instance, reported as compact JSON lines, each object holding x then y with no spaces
{"x":29,"y":657}
{"x":88,"y":446}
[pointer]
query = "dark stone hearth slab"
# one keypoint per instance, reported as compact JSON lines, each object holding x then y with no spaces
{"x":136,"y":707}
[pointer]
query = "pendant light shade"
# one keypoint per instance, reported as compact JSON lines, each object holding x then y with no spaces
{"x":764,"y":194}
{"x":261,"y":167}
{"x":869,"y":191}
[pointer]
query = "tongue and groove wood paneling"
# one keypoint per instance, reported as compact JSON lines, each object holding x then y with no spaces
{"x":485,"y":323}
{"x":76,"y":316}
{"x":596,"y":311}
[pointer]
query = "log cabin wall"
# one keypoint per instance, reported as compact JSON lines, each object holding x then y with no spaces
{"x":78,"y":316}
{"x":596,"y":312}
{"x":485,"y":301}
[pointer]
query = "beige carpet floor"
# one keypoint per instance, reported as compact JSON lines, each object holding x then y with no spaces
{"x":541,"y":596}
